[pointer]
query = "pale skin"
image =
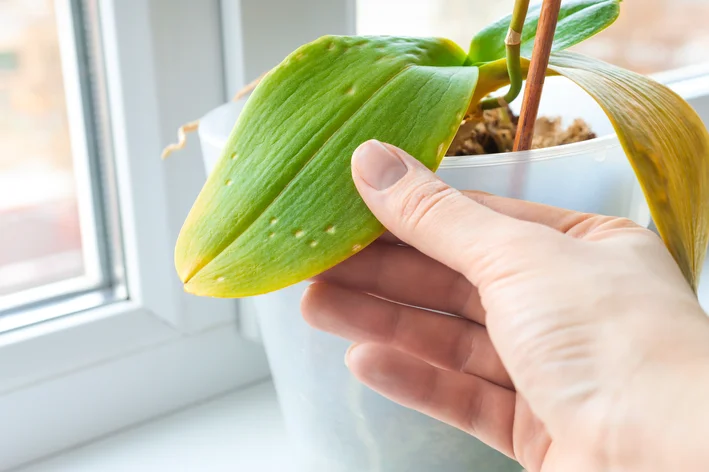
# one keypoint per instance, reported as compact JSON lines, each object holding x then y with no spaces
{"x":576,"y":343}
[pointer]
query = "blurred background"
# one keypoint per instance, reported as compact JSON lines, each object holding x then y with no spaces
{"x":650,"y":35}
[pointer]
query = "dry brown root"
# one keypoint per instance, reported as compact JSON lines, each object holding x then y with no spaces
{"x":493,"y":132}
{"x":248,"y":88}
{"x":548,"y":132}
{"x":182,"y":131}
{"x":193,"y":126}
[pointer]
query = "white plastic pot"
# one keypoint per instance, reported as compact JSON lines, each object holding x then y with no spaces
{"x":338,"y":425}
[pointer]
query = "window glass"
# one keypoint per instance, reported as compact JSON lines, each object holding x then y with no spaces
{"x":49,"y":223}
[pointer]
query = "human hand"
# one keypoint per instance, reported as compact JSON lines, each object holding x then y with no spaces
{"x":576,"y":343}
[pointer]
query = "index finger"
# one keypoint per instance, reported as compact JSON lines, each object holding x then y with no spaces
{"x":439,"y":221}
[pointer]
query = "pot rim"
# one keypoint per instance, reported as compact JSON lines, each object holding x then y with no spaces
{"x":603,"y":144}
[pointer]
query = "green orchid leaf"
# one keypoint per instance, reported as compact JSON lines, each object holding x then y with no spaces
{"x":578,"y":21}
{"x":667,"y":145}
{"x":281,"y":205}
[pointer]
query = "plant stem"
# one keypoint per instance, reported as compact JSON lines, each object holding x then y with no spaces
{"x":537,"y":72}
{"x":512,"y":48}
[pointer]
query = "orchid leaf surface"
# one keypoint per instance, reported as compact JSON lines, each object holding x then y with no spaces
{"x":281,"y":206}
{"x":667,"y":145}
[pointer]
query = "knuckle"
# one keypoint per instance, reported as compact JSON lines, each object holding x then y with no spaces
{"x":423,"y":200}
{"x":625,"y":223}
{"x":478,"y":196}
{"x":430,"y":389}
{"x":612,"y":222}
{"x":394,"y":326}
{"x":473,"y":411}
{"x":594,"y":225}
{"x":467,"y":347}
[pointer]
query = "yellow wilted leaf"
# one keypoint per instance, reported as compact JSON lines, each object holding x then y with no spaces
{"x":667,"y":145}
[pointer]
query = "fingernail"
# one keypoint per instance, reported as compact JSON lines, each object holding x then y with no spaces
{"x":379,"y":167}
{"x":349,"y":351}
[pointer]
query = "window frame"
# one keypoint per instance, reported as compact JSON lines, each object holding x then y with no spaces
{"x":144,"y":190}
{"x":95,"y":246}
{"x":74,"y":378}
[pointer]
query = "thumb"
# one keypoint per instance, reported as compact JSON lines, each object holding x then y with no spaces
{"x":437,"y":219}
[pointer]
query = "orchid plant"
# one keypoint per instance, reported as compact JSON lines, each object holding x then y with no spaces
{"x":281,"y":207}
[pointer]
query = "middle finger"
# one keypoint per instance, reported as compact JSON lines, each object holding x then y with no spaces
{"x":405,"y":275}
{"x":445,"y":341}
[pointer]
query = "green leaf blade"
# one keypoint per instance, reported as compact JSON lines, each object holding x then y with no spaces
{"x":291,"y":209}
{"x":578,"y":21}
{"x":667,"y":145}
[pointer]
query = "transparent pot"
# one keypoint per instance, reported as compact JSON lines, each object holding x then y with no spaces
{"x":338,"y":425}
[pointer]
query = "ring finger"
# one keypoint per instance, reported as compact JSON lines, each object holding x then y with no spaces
{"x":447,"y":342}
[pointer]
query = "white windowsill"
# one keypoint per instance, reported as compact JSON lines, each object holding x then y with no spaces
{"x":242,"y":430}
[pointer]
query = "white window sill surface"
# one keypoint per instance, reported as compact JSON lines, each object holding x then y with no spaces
{"x":242,"y":430}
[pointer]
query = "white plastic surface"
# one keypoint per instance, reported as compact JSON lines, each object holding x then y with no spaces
{"x":338,"y":425}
